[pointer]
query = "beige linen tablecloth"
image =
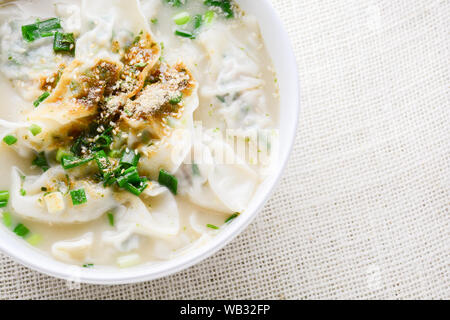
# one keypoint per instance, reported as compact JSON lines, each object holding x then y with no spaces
{"x":363,"y":208}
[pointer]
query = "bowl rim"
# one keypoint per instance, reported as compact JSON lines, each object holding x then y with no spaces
{"x":219,"y":241}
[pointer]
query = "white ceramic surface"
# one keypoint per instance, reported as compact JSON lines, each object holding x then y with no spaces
{"x":280,"y":50}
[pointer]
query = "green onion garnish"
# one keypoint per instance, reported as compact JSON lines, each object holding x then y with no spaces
{"x":88,"y":265}
{"x":23,"y":193}
{"x":154,"y":21}
{"x":232,"y":217}
{"x":129,"y":158}
{"x":41,"y":161}
{"x":4,"y":195}
{"x":198,"y":21}
{"x":174,"y":3}
{"x":111,"y":219}
{"x":102,"y":162}
{"x":212,"y":226}
{"x":114,"y":154}
{"x":64,"y":43}
{"x":35,"y":129}
{"x":208,"y":16}
{"x":9,"y":140}
{"x":40,"y":29}
{"x":34,"y":239}
{"x":184,"y":34}
{"x":78,"y":197}
{"x":103,"y":141}
{"x":78,"y":146}
{"x":182,"y":18}
{"x":221,"y":98}
{"x":70,"y":162}
{"x":137,"y":190}
{"x":130,"y":175}
{"x":61,"y":153}
{"x":168,"y":180}
{"x":177,"y":99}
{"x":224,"y":5}
{"x":41,"y":98}
{"x":141,"y":65}
{"x":7,"y":219}
{"x":195,"y":170}
{"x":21,"y":230}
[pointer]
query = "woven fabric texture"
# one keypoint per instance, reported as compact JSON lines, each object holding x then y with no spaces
{"x":363,"y":209}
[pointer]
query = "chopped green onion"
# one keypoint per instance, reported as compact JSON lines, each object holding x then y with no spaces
{"x":21,"y":230}
{"x":129,"y":158}
{"x":40,"y":29}
{"x":208,"y":16}
{"x":4,"y":195}
{"x":128,"y":112}
{"x":88,"y":265}
{"x":64,"y":42}
{"x":35,"y":129}
{"x":182,"y":18}
{"x":141,"y":65}
{"x":175,"y":3}
{"x":198,"y":21}
{"x":111,"y":219}
{"x":114,"y":154}
{"x":9,"y":140}
{"x":130,"y":175}
{"x":41,"y":161}
{"x":154,"y":21}
{"x":134,"y":190}
{"x":23,"y":193}
{"x":221,"y":98}
{"x":168,"y":180}
{"x":77,"y":147}
{"x":195,"y":170}
{"x":232,"y":217}
{"x":184,"y":34}
{"x":225,"y":5}
{"x":7,"y":219}
{"x":41,"y":98}
{"x":34,"y":239}
{"x":212,"y":226}
{"x":103,"y":141}
{"x":70,"y":162}
{"x":177,"y":99}
{"x":61,"y":153}
{"x":78,"y":197}
{"x":3,"y":203}
{"x":129,"y":260}
{"x":102,"y":162}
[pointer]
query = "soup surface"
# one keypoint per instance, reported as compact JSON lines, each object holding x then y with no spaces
{"x":131,"y":131}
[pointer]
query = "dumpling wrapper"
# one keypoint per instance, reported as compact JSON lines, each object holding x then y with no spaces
{"x":226,"y":183}
{"x":33,"y":206}
{"x":155,"y":215}
{"x":73,"y":250}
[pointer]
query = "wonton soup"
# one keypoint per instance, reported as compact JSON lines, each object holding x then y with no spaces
{"x":131,"y":131}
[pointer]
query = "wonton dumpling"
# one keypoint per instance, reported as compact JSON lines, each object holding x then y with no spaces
{"x":34,"y":204}
{"x":168,"y":124}
{"x":122,"y":19}
{"x":172,"y":150}
{"x":225,"y":186}
{"x":73,"y":250}
{"x":235,"y":76}
{"x":155,"y":215}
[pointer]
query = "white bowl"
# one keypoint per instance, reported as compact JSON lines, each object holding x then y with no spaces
{"x":280,"y":50}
